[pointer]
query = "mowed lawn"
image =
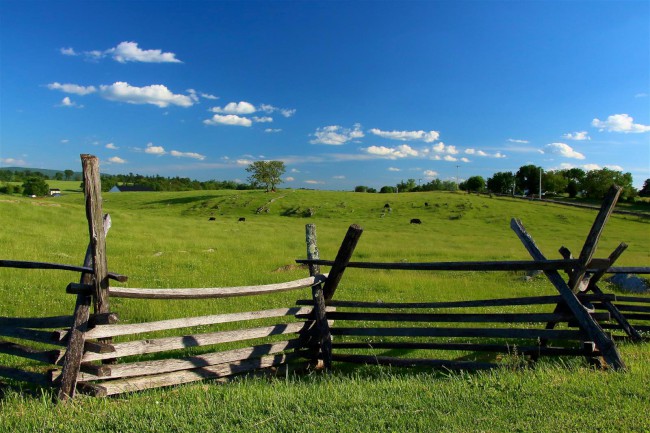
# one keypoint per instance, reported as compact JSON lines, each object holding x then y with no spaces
{"x":164,"y":240}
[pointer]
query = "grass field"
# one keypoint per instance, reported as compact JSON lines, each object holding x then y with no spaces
{"x":165,"y":240}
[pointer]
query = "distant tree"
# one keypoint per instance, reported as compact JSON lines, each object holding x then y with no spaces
{"x":360,"y":188}
{"x":407,"y":186}
{"x":554,"y":181}
{"x":501,"y":182}
{"x":372,"y":190}
{"x":597,"y":182}
{"x":35,"y":186}
{"x":572,"y":188}
{"x":68,"y":174}
{"x":266,"y":173}
{"x":645,"y":191}
{"x":387,"y":189}
{"x":475,"y":183}
{"x":528,"y":178}
{"x":58,"y":176}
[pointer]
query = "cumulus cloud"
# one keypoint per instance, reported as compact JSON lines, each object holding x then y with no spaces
{"x":564,"y":150}
{"x":241,"y":107}
{"x":130,"y":52}
{"x":272,"y":130}
{"x":72,"y":88}
{"x":450,"y":158}
{"x":286,"y":112}
{"x":208,"y":96}
{"x":620,"y":123}
{"x":12,"y":161}
{"x":401,"y":151}
{"x":68,"y":51}
{"x":464,"y":159}
{"x":514,"y":140}
{"x":156,"y":94}
{"x":394,"y":169}
{"x":477,"y":152}
{"x":154,"y":150}
{"x":427,"y":137}
{"x":116,"y":160}
{"x":192,"y":155}
{"x":228,"y":119}
{"x":577,"y":136}
{"x":289,"y":179}
{"x":111,"y":146}
{"x":243,"y":162}
{"x":314,"y":182}
{"x":336,"y":135}
{"x":67,"y":102}
{"x":442,"y":148}
{"x":430,"y":174}
{"x":263,"y":119}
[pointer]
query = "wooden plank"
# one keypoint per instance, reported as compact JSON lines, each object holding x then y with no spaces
{"x":15,"y":349}
{"x":461,"y":332}
{"x":639,"y":299}
{"x":318,"y":298}
{"x":587,"y":323}
{"x":141,"y":347}
{"x":213,"y":292}
{"x":471,"y":347}
{"x":624,"y":307}
{"x":36,"y":322}
{"x":531,"y":300}
{"x":145,"y":368}
{"x":628,"y":270}
{"x":103,"y":331}
{"x":458,"y":317}
{"x":342,"y":259}
{"x":56,"y":266}
{"x":98,"y":347}
{"x":103,"y":319}
{"x":134,"y":384}
{"x":76,"y":338}
{"x":414,"y":362}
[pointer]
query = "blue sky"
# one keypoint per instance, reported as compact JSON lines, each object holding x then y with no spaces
{"x":346,"y":93}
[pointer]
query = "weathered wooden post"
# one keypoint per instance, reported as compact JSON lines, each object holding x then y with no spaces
{"x":319,"y":313}
{"x":342,"y":259}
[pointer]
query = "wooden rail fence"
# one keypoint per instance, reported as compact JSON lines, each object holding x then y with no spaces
{"x":83,"y":353}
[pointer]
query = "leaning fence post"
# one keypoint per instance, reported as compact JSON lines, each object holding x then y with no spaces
{"x":319,"y":313}
{"x":342,"y":259}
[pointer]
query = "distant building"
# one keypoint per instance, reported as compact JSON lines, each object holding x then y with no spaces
{"x":55,"y":192}
{"x":131,"y":188}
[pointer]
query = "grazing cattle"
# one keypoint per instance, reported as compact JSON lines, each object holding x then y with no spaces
{"x":416,"y":221}
{"x":241,"y":219}
{"x":386,"y":206}
{"x":212,"y":219}
{"x":426,"y":204}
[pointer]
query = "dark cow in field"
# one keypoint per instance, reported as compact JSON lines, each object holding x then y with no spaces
{"x":212,"y":219}
{"x":241,"y":219}
{"x":386,"y":206}
{"x":426,"y":204}
{"x":416,"y":221}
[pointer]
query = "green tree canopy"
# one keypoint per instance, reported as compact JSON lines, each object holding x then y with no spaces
{"x":645,"y":191}
{"x":528,"y":178}
{"x":35,"y":186}
{"x":501,"y":182}
{"x":475,"y":183}
{"x":597,"y":182}
{"x":554,"y":181}
{"x":266,"y":173}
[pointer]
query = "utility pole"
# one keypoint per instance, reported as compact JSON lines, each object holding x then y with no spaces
{"x":540,"y":183}
{"x":457,"y":167}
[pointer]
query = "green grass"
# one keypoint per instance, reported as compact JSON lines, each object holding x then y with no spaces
{"x":166,"y":240}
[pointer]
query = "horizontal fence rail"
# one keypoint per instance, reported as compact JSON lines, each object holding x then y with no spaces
{"x":56,"y":266}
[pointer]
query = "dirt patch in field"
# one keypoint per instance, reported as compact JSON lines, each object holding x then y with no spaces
{"x":40,"y":203}
{"x":291,"y":267}
{"x":8,"y":201}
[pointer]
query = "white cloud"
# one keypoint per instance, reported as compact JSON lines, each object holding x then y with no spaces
{"x":563,"y":150}
{"x":394,"y":169}
{"x":156,"y":94}
{"x":130,"y":52}
{"x":72,"y":88}
{"x":67,"y":102}
{"x":243,"y":162}
{"x":464,"y":159}
{"x":450,"y":158}
{"x":577,"y":136}
{"x":314,"y":182}
{"x":641,"y":95}
{"x":116,"y":160}
{"x":336,"y":135}
{"x":287,"y":112}
{"x":272,"y":130}
{"x":111,"y":146}
{"x":513,"y":140}
{"x":154,"y":150}
{"x":427,"y":137}
{"x":430,"y":174}
{"x":289,"y":179}
{"x":264,"y":119}
{"x":12,"y":161}
{"x":338,"y":177}
{"x":187,"y":155}
{"x":477,"y":152}
{"x":620,"y":123}
{"x":442,"y":148}
{"x":401,"y":151}
{"x":229,"y":119}
{"x":241,"y":107}
{"x":68,"y":51}
{"x":208,"y":96}
{"x":65,"y":140}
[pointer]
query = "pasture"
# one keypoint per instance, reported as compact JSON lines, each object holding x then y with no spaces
{"x":167,"y":240}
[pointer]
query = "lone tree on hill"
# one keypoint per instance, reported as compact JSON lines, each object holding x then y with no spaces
{"x":266,"y":173}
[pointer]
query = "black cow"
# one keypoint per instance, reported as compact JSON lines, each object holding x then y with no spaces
{"x":426,"y":203}
{"x":241,"y":219}
{"x":386,"y":206}
{"x":212,"y":219}
{"x":416,"y":221}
